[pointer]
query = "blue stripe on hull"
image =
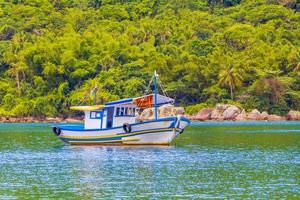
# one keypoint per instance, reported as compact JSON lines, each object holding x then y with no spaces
{"x":91,"y":139}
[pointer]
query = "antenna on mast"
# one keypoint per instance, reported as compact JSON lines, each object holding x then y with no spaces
{"x":94,"y":91}
{"x":155,"y":94}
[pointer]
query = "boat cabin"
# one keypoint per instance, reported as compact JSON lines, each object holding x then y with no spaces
{"x":116,"y":113}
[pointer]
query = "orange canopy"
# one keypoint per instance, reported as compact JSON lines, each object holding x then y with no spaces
{"x":144,"y":102}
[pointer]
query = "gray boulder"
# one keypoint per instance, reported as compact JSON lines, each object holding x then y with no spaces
{"x":163,"y":111}
{"x":147,"y":114}
{"x":255,"y":115}
{"x":264,"y":115}
{"x":178,"y":111}
{"x":222,"y":107}
{"x":217,"y":115}
{"x":293,"y":115}
{"x":204,"y":114}
{"x":170,"y":110}
{"x":242,"y":116}
{"x":231,"y":112}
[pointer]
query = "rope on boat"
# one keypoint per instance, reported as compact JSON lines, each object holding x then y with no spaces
{"x":146,"y":91}
{"x":88,"y":94}
{"x":164,"y":91}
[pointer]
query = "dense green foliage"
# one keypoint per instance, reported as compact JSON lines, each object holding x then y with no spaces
{"x":53,"y":52}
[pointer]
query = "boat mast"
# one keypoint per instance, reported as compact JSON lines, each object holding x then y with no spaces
{"x":95,"y":95}
{"x":155,"y":94}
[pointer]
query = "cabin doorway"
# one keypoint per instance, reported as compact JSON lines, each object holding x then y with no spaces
{"x":110,"y":116}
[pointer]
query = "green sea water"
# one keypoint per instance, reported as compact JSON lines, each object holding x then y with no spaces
{"x":210,"y":160}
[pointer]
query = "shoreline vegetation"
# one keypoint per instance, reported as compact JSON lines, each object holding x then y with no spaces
{"x":52,"y":53}
{"x":221,"y":112}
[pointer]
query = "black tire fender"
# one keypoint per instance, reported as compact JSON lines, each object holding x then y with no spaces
{"x":56,"y":131}
{"x":127,"y":128}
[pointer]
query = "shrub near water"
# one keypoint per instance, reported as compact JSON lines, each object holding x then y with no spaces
{"x":195,"y":108}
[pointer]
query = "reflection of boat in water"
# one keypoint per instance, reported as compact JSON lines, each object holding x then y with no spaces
{"x":116,"y":123}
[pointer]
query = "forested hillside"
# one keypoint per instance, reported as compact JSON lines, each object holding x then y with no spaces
{"x":53,"y":52}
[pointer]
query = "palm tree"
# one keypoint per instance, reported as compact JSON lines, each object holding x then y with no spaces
{"x":17,"y":70}
{"x":231,"y":77}
{"x":16,"y":61}
{"x":294,"y":59}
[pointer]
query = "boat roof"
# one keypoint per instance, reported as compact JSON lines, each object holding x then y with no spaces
{"x":161,"y":99}
{"x":121,"y":101}
{"x":145,"y":101}
{"x":87,"y":108}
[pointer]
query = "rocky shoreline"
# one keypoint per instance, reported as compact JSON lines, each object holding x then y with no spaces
{"x":221,"y":112}
{"x":224,"y":112}
{"x":39,"y":120}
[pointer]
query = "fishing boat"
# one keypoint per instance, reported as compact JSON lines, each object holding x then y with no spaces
{"x":116,"y":122}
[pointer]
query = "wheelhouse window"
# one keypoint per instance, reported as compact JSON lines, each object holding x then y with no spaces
{"x":129,"y":111}
{"x":125,"y":111}
{"x":104,"y":113}
{"x":95,"y":114}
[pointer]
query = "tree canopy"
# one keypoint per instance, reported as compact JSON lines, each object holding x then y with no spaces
{"x":52,"y":53}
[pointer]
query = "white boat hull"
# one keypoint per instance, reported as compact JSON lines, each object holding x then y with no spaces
{"x":161,"y":132}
